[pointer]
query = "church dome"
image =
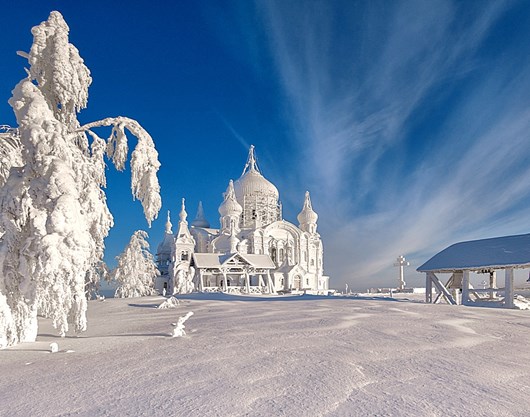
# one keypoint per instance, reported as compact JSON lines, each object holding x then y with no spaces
{"x":252,"y":183}
{"x":307,"y":215}
{"x":230,"y":206}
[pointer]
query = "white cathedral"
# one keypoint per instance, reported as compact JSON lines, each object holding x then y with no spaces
{"x":254,"y":251}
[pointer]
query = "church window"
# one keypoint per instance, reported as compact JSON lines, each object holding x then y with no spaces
{"x":184,"y":256}
{"x":273,"y":254}
{"x":312,"y":262}
{"x":281,"y":255}
{"x":282,"y":282}
{"x":254,"y":214}
{"x":307,"y":281}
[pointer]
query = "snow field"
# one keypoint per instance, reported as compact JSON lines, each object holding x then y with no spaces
{"x":285,"y":356}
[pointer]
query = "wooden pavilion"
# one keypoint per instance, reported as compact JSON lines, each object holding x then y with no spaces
{"x":482,"y":256}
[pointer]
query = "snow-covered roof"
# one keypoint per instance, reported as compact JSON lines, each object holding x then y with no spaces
{"x":494,"y":253}
{"x":216,"y":260}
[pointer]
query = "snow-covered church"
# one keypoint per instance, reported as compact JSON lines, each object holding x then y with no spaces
{"x":254,"y":251}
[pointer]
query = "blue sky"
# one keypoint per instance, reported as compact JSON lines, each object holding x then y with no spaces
{"x":409,"y":122}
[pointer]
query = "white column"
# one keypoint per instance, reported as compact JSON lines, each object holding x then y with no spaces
{"x":508,"y":288}
{"x":428,"y":288}
{"x":493,"y":284}
{"x":270,"y":285}
{"x":247,"y":282}
{"x":465,"y":288}
{"x":225,"y":285}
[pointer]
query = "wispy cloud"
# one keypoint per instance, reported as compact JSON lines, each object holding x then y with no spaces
{"x":236,"y":135}
{"x":414,"y":139}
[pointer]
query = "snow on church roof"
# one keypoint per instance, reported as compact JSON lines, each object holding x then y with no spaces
{"x":494,"y":253}
{"x":216,"y":260}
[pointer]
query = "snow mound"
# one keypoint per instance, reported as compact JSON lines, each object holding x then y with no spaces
{"x":171,"y":302}
{"x":521,"y":303}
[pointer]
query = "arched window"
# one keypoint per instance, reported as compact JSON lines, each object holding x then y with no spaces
{"x":281,"y":255}
{"x":273,"y":254}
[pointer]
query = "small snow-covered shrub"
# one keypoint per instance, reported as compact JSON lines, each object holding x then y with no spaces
{"x":171,"y":302}
{"x":178,"y":331}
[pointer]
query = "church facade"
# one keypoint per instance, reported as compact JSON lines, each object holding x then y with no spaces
{"x":253,"y":251}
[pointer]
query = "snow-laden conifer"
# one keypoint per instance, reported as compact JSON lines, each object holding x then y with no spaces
{"x":53,"y":211}
{"x":136,"y":270}
{"x":97,"y":273}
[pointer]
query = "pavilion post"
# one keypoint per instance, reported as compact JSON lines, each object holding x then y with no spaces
{"x":493,"y":284}
{"x":465,"y":288}
{"x":428,"y":288}
{"x":508,"y":288}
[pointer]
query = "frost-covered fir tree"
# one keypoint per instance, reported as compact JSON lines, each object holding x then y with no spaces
{"x":99,"y":272}
{"x":136,"y":270}
{"x":53,"y":210}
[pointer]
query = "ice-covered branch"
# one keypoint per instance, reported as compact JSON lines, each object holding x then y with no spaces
{"x":10,"y":151}
{"x":144,"y":160}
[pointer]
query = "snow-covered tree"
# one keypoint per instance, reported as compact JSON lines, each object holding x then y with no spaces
{"x":182,"y":278}
{"x":99,"y":272}
{"x":53,"y":211}
{"x":136,"y":270}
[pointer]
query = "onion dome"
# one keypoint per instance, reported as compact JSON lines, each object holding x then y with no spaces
{"x":252,"y":183}
{"x":307,"y":215}
{"x":200,"y":220}
{"x":230,"y":206}
{"x":165,"y":246}
{"x":183,"y":214}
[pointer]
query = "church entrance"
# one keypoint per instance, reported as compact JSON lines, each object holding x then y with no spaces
{"x":297,"y":282}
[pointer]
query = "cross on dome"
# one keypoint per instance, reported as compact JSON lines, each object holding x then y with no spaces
{"x":251,"y":164}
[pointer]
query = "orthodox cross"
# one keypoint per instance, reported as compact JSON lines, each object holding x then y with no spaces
{"x":401,"y":262}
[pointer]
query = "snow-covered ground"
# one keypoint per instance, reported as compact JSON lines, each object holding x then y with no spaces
{"x":291,"y":356}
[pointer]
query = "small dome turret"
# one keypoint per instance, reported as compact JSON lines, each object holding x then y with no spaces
{"x":230,"y":207}
{"x":307,"y":217}
{"x":164,"y":247}
{"x":183,"y":215}
{"x":200,"y":219}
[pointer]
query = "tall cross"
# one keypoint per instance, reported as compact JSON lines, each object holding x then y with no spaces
{"x":401,"y":262}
